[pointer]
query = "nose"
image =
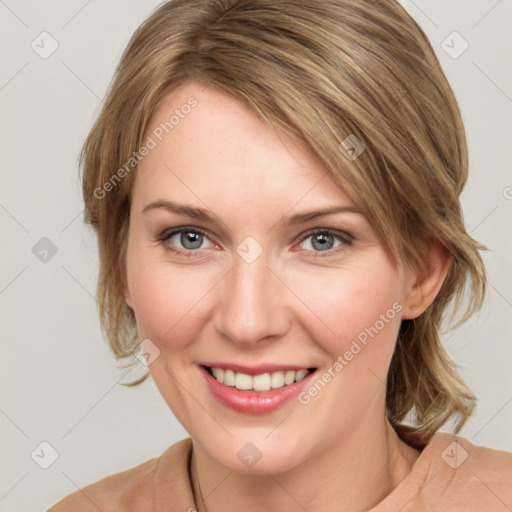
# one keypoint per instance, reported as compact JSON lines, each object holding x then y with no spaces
{"x":251,"y":303}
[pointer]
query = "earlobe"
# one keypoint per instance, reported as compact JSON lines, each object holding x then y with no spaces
{"x":128,"y":298}
{"x":426,"y":281}
{"x":126,"y":291}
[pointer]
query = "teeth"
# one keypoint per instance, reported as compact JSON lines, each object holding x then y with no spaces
{"x":229,"y":378}
{"x":277,"y":380}
{"x":219,"y":374}
{"x":289,"y":377}
{"x":262,"y":382}
{"x":243,"y":381}
{"x":300,"y":374}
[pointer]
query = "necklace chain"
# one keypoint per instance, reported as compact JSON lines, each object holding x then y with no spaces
{"x":195,"y":477}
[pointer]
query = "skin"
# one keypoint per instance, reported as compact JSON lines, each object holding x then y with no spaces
{"x":294,"y":304}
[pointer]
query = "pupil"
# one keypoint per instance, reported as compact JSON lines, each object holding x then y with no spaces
{"x":322,"y":240}
{"x":191,"y":238}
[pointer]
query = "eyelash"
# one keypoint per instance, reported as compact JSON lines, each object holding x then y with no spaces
{"x":344,"y":237}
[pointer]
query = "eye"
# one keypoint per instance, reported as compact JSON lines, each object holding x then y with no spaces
{"x":324,"y":240}
{"x":190,"y":239}
{"x":187,"y":240}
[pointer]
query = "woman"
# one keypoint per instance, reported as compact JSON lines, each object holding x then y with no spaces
{"x":275,"y":189}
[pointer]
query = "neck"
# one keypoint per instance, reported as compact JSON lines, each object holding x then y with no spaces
{"x":355,"y":474}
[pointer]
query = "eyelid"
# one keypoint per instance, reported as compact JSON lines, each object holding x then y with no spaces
{"x":170,"y":232}
{"x":167,"y":233}
{"x":345,"y":237}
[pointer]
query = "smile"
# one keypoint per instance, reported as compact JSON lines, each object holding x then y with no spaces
{"x":255,"y":390}
{"x":261,"y":382}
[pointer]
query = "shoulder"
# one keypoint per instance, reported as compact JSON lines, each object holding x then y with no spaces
{"x":462,"y":475}
{"x":457,"y":452}
{"x":129,"y":490}
{"x":107,"y":493}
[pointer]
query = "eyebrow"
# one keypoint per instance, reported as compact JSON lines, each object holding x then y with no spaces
{"x":207,"y":216}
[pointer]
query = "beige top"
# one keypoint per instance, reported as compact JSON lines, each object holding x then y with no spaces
{"x":451,"y":474}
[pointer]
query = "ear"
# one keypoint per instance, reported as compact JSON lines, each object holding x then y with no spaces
{"x":126,"y":290}
{"x":423,"y":284}
{"x":128,"y":298}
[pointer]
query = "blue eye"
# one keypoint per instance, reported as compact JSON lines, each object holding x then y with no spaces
{"x":323,"y":240}
{"x":188,"y":240}
{"x":191,"y":239}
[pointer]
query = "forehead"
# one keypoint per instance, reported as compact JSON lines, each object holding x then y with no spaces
{"x":211,"y":148}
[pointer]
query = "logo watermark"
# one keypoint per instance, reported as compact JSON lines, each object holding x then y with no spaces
{"x":454,"y":455}
{"x":351,"y":147}
{"x":249,"y":454}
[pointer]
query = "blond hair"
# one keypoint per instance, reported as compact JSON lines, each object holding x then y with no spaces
{"x":319,"y":71}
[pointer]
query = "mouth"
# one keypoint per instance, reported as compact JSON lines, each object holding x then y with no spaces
{"x":255,"y":390}
{"x":255,"y":379}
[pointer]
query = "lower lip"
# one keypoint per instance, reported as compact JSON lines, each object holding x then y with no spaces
{"x":254,"y":402}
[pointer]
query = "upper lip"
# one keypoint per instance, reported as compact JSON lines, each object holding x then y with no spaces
{"x":256,"y":369}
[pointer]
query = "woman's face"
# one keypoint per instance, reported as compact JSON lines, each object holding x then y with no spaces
{"x":256,"y":288}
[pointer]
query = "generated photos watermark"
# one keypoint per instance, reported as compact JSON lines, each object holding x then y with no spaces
{"x":150,"y":143}
{"x":343,"y":360}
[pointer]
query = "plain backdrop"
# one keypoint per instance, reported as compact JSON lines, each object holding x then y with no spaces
{"x":59,"y":381}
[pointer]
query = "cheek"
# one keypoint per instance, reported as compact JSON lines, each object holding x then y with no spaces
{"x":166,"y":299}
{"x":360,"y":312}
{"x":352,"y":304}
{"x":336,"y":307}
{"x":159,"y":302}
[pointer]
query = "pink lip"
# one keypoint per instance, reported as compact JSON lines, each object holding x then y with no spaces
{"x":254,"y":370}
{"x":253,"y":402}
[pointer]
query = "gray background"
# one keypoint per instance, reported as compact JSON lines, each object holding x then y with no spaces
{"x":59,"y":382}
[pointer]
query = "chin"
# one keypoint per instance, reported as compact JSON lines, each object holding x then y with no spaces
{"x":257,"y":454}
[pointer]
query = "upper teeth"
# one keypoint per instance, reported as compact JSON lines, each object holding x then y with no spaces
{"x":262,"y":382}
